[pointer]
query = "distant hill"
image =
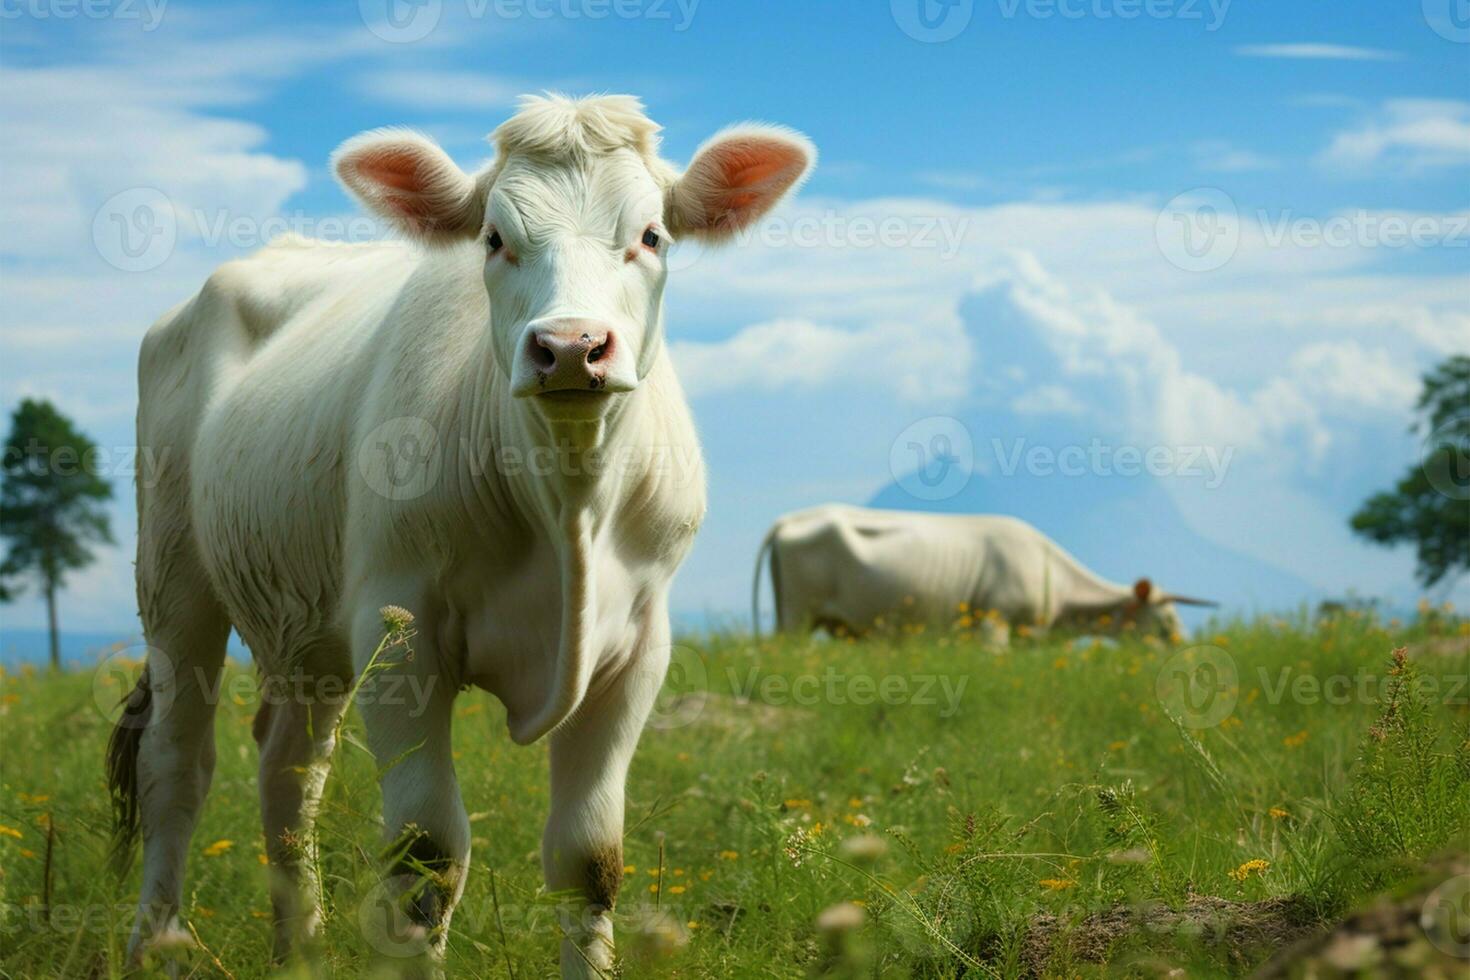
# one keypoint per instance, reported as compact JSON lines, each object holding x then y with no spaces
{"x":1122,"y":528}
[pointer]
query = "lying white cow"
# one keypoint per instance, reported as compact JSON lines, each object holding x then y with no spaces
{"x":848,"y":569}
{"x":483,"y":428}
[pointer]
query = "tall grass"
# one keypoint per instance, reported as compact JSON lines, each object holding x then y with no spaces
{"x":968,"y":804}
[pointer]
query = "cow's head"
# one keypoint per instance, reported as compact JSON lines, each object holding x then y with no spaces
{"x":575,"y":219}
{"x":1151,"y":611}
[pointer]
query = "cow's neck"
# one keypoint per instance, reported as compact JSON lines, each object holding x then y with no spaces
{"x":1079,"y":593}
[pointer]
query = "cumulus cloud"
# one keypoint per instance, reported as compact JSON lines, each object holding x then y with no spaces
{"x":909,"y":361}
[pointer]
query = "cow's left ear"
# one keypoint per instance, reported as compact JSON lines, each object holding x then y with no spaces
{"x":1142,"y":589}
{"x":735,"y":178}
{"x":404,"y":177}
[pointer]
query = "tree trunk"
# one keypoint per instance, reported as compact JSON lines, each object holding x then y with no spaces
{"x":51,"y":622}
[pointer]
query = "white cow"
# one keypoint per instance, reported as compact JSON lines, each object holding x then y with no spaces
{"x":481,"y":427}
{"x":847,"y":569}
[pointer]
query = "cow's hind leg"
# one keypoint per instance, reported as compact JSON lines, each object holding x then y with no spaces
{"x":161,"y":757}
{"x":295,"y":729}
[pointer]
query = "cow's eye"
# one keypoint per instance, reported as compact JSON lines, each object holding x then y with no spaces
{"x":495,"y":242}
{"x":650,"y":238}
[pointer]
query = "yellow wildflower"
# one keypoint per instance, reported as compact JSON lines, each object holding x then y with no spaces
{"x":1057,"y":884}
{"x":9,"y":831}
{"x":1278,"y":812}
{"x":729,"y":855}
{"x":1255,"y":866}
{"x":218,"y":847}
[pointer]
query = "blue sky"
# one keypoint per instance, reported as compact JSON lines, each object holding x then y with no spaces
{"x":1032,"y":166}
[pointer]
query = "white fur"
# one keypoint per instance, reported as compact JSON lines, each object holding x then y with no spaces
{"x":845,"y":567}
{"x":347,"y":434}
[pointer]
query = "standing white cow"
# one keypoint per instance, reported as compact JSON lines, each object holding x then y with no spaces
{"x":844,"y":569}
{"x":483,"y":428}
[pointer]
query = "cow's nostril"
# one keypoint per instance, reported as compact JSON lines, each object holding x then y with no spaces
{"x":542,"y":355}
{"x":596,"y":353}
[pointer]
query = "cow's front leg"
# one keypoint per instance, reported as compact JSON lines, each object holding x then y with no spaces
{"x":582,"y":848}
{"x":406,"y":703}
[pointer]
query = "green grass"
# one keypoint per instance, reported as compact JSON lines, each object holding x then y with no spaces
{"x":1058,"y":786}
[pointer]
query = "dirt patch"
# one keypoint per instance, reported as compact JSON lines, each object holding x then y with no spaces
{"x":1422,"y":932}
{"x":1246,"y":929}
{"x":730,"y":714}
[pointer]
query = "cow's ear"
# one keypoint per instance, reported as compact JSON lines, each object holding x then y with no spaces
{"x":1142,"y":589}
{"x":405,"y":178}
{"x":735,"y":178}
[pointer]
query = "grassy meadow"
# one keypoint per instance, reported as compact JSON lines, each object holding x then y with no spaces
{"x":915,"y":805}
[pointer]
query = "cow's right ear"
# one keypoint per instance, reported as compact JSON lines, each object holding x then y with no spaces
{"x":404,"y":177}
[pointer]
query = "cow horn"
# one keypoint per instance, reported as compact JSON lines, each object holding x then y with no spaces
{"x":1184,"y":600}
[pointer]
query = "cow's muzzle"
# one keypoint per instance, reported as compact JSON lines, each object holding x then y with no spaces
{"x":570,"y":356}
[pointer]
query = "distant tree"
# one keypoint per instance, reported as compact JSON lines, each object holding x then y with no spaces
{"x":1430,"y":507}
{"x":50,"y":505}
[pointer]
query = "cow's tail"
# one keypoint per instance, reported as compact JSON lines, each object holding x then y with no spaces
{"x":768,"y":543}
{"x":573,"y":665}
{"x":122,"y":771}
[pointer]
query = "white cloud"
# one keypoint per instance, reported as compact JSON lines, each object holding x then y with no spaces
{"x":1316,"y":51}
{"x":911,"y":362}
{"x":1217,"y":156}
{"x":1405,"y":135}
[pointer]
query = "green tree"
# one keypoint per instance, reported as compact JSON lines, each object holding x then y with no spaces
{"x":51,"y":505}
{"x":1430,"y":506}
